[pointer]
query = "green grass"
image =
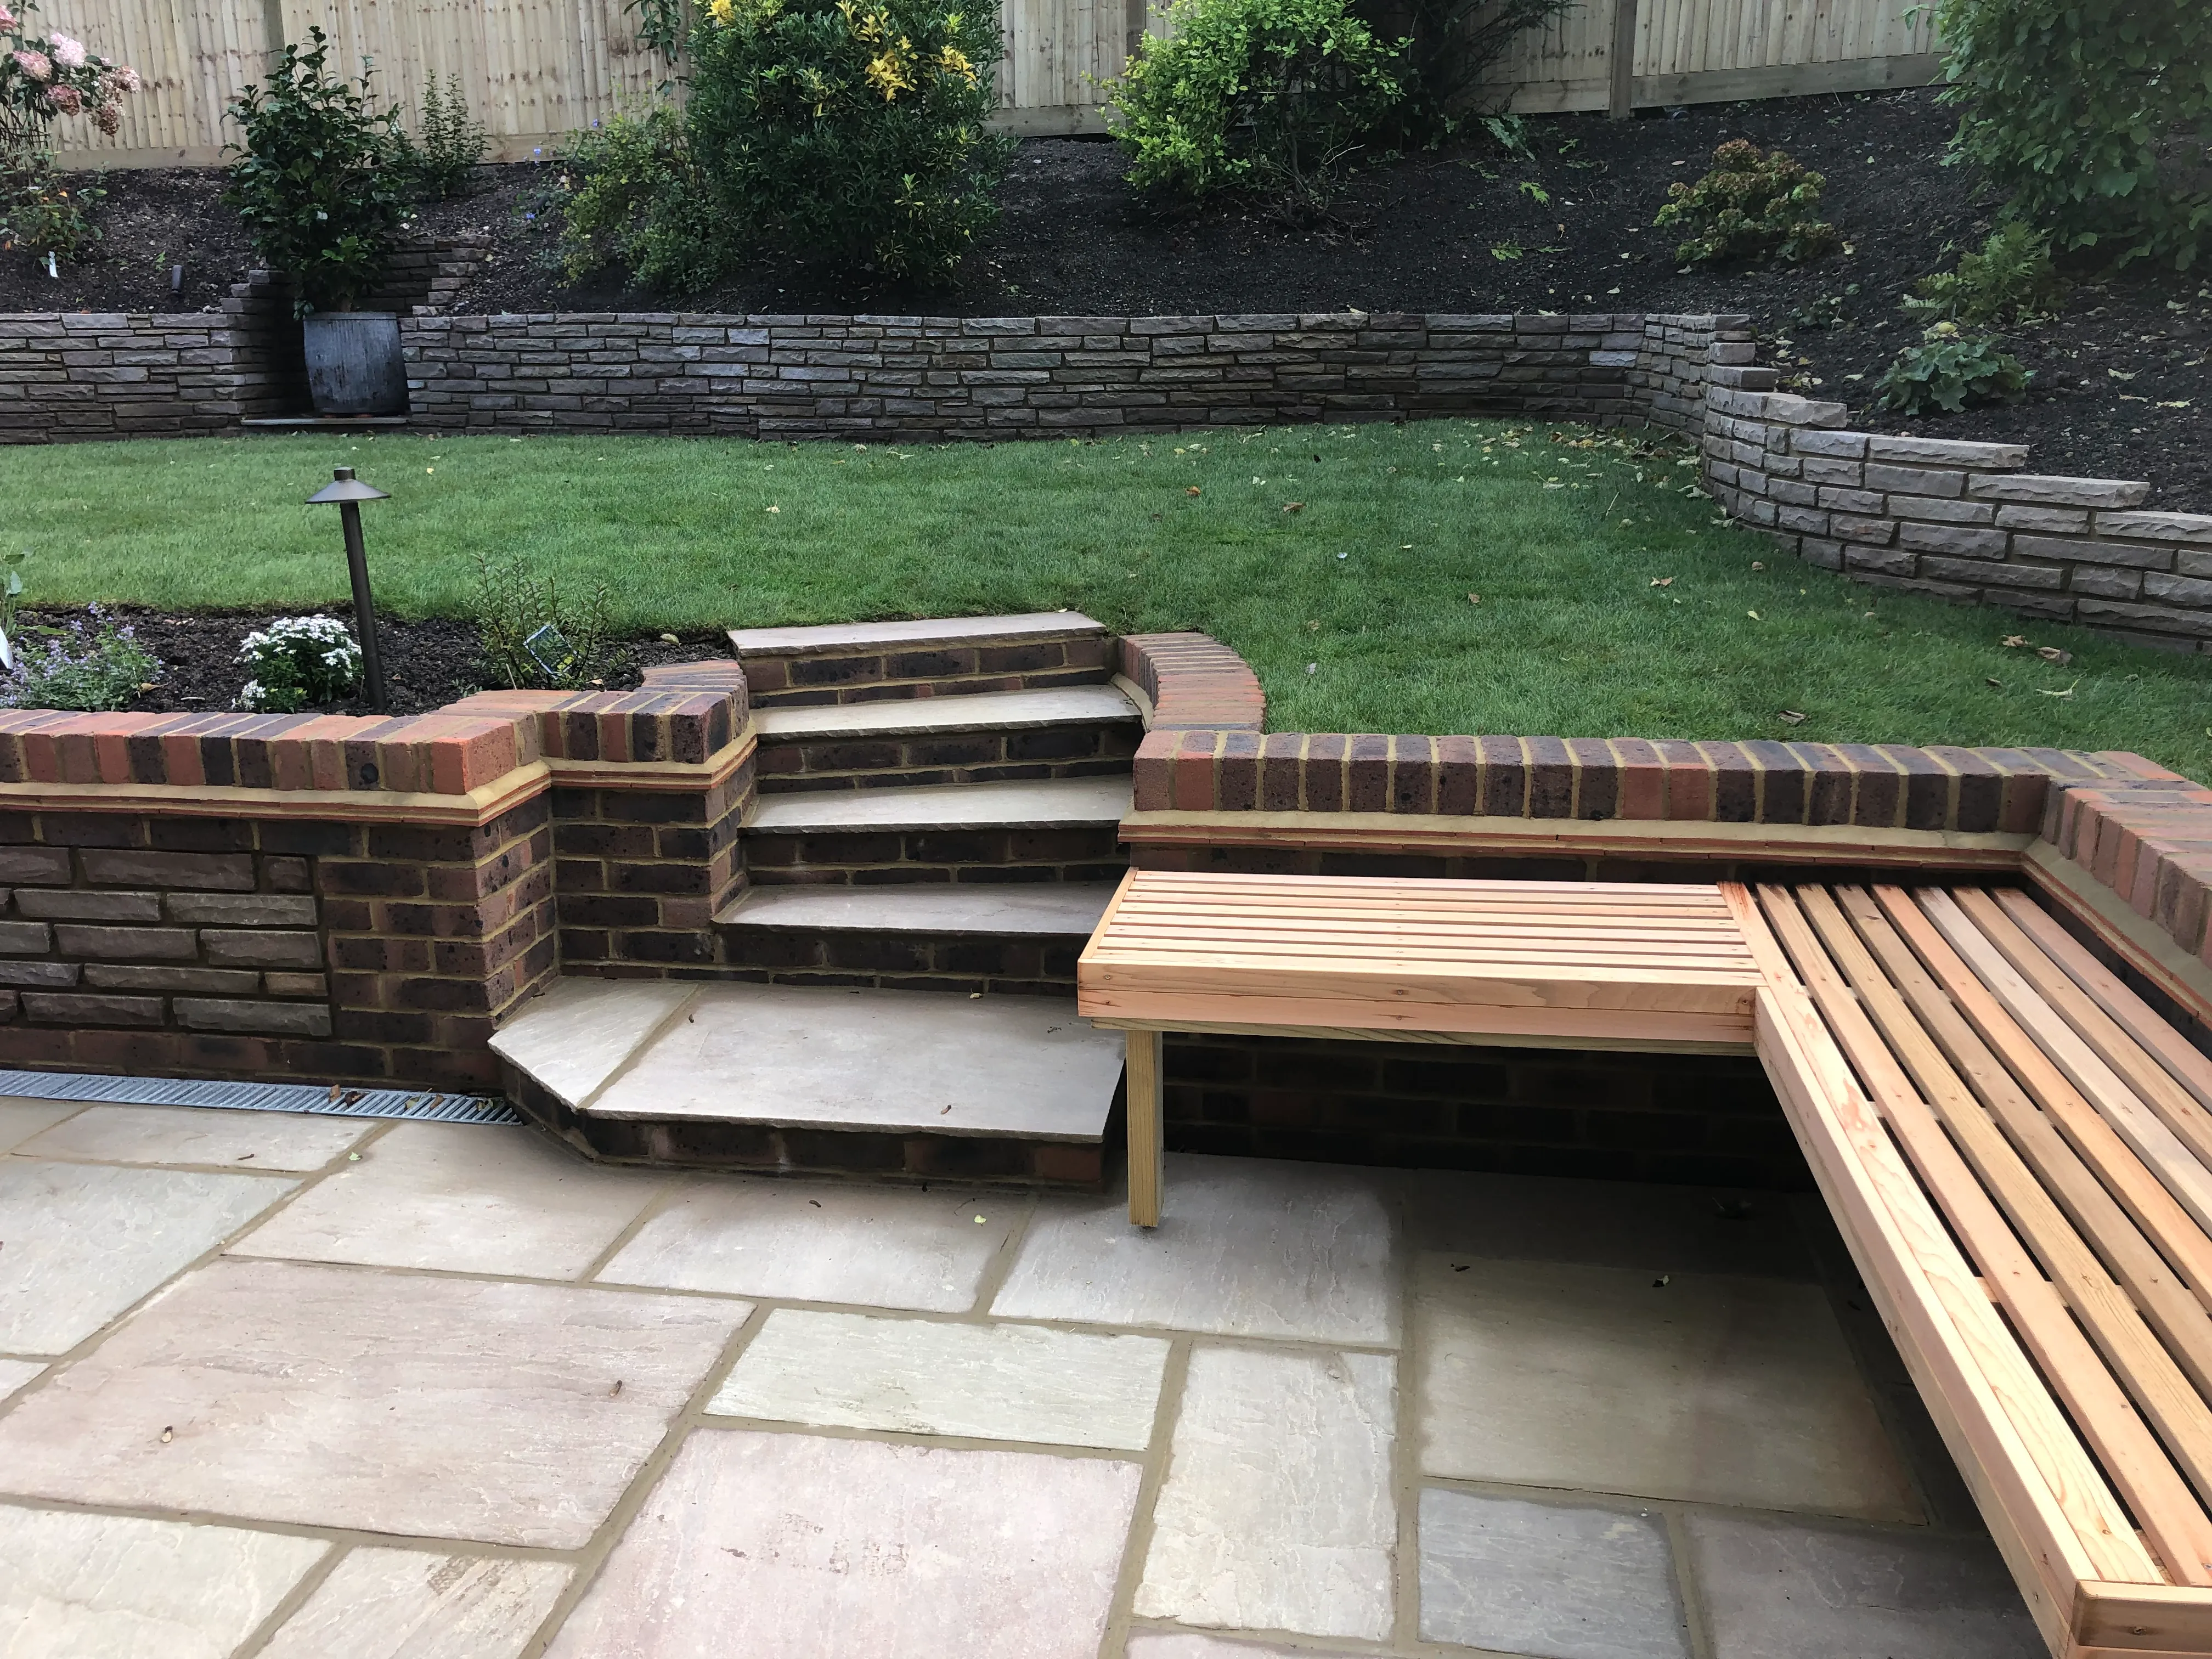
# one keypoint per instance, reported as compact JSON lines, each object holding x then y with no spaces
{"x":1355,"y":608}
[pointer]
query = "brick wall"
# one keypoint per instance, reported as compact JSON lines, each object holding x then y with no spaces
{"x":1957,"y":520}
{"x":1701,"y":1120}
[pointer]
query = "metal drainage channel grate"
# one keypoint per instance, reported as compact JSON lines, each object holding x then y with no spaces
{"x":339,"y":1101}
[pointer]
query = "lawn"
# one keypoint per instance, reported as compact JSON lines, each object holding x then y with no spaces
{"x":1343,"y":561}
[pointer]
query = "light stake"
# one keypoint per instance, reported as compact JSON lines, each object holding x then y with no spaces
{"x":348,"y":492}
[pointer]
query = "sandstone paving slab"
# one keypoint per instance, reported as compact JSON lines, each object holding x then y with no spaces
{"x":412,"y":1604}
{"x":21,"y":1118}
{"x":581,"y":1032}
{"x":80,"y":1243}
{"x":1607,"y":1224}
{"x":14,"y":1373}
{"x":1548,"y":1580}
{"x":1245,"y":1248}
{"x":76,"y":1586}
{"x":1278,"y":1512}
{"x":469,"y":1197}
{"x":187,"y":1134}
{"x":801,"y":1546}
{"x":1189,"y":1644}
{"x":1019,"y":1382}
{"x":1720,"y":1390}
{"x":1774,"y":1586}
{"x":403,"y":1404}
{"x":881,"y":1247}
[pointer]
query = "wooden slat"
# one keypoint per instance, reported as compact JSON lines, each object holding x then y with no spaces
{"x":2153,"y":1140}
{"x":1854,"y":999}
{"x":2143,"y":1620}
{"x":2073,"y":1180}
{"x":1147,"y":1118}
{"x":2144,"y":1071}
{"x":2159,"y":1215}
{"x":2048,"y":1509}
{"x":1573,"y":1028}
{"x":2136,"y":1017}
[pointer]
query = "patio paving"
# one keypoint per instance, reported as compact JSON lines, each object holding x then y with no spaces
{"x":444,"y":1392}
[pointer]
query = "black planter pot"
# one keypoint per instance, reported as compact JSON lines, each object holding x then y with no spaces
{"x":354,"y":366}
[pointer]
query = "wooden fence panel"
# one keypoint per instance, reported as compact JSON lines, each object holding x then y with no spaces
{"x":533,"y":69}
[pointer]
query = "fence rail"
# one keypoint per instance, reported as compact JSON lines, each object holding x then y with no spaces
{"x":533,"y":69}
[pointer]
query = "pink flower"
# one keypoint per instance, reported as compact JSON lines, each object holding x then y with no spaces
{"x":36,"y":64}
{"x":107,"y":118}
{"x":68,"y":53}
{"x":125,"y":79}
{"x":7,"y":18}
{"x":68,"y":99}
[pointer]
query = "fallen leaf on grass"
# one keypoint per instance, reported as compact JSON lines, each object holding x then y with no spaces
{"x":2052,"y":653}
{"x":1792,"y":717}
{"x":1753,"y":614}
{"x":1294,"y":506}
{"x":1756,"y":565}
{"x":1475,"y":599}
{"x":1986,"y":680}
{"x":1662,"y":581}
{"x":1193,"y":490}
{"x":2012,"y":641}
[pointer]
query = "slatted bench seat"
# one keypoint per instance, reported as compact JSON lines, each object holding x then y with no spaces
{"x":2017,"y":1149}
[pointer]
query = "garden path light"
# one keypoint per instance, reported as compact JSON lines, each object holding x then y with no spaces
{"x":348,"y":492}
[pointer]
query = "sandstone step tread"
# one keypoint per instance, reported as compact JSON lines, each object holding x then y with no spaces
{"x":846,"y":639}
{"x":1051,"y":909}
{"x":578,"y":1034}
{"x":989,"y":711}
{"x":1044,"y":803}
{"x":799,"y":1056}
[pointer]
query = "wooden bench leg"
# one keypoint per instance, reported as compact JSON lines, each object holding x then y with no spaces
{"x":1146,"y":1132}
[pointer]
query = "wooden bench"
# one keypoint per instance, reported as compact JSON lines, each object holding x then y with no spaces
{"x":2017,"y":1149}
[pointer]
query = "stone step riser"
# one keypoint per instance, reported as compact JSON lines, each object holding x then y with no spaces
{"x":1098,"y":750}
{"x":875,"y":676}
{"x":859,"y":857}
{"x":906,"y":960}
{"x":761,"y":1149}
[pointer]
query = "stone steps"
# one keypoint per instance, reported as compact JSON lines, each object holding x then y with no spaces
{"x":1064,"y":829}
{"x":972,"y":936}
{"x":1078,"y":731}
{"x":869,"y":662}
{"x":809,"y":1079}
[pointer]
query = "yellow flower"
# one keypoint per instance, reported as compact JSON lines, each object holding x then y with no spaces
{"x":953,"y":61}
{"x":888,"y":76}
{"x":722,"y":12}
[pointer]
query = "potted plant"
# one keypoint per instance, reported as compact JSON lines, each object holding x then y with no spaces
{"x":317,"y":185}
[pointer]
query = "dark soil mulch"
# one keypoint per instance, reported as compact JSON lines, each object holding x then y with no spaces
{"x":1465,"y":229}
{"x":427,"y":664}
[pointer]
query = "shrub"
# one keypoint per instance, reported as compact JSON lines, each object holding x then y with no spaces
{"x":436,"y":165}
{"x":1269,"y":96}
{"x":295,"y":661}
{"x":93,"y":663}
{"x":41,"y":215}
{"x":630,"y":197}
{"x":531,"y":637}
{"x":2089,"y":117}
{"x":2011,"y":278}
{"x":1950,"y":370}
{"x":849,"y":130}
{"x":316,"y":180}
{"x":44,"y":77}
{"x":1755,"y":206}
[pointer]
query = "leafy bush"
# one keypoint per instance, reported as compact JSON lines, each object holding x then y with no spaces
{"x":1755,"y":206}
{"x":630,"y":197}
{"x":317,"y":180}
{"x":1269,"y":96}
{"x":2011,"y":278}
{"x":41,"y":215}
{"x":44,"y":77}
{"x":2090,"y":117}
{"x":436,"y":165}
{"x":848,"y":131}
{"x":531,"y":637}
{"x":93,"y":663}
{"x":1950,"y":370}
{"x":298,"y":660}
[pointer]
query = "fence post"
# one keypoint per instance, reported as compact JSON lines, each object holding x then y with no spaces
{"x":1623,"y":100}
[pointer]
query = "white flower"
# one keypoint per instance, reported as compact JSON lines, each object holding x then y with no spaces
{"x":68,"y":52}
{"x":126,"y":79}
